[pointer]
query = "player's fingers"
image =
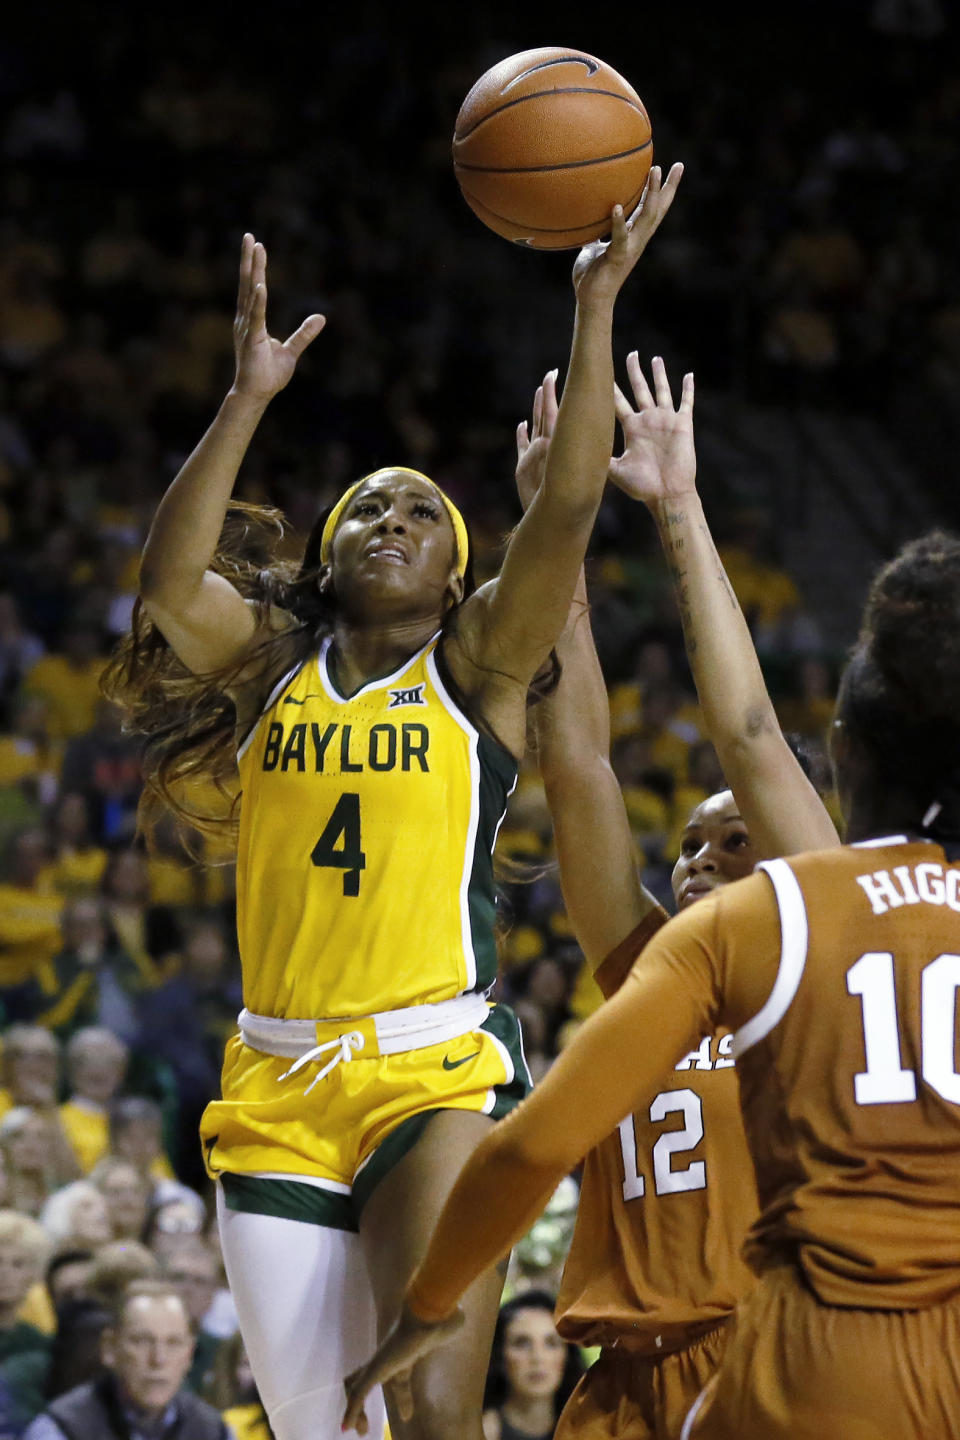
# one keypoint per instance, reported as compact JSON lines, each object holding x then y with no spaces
{"x":670,"y":185}
{"x":667,"y":194}
{"x":622,"y":405}
{"x":620,"y":230}
{"x":246,"y":262}
{"x":304,"y":335}
{"x":648,"y":200}
{"x":523,"y":439}
{"x":357,"y":1387}
{"x":550,"y":403}
{"x":403,"y":1394}
{"x":660,"y":196}
{"x":638,"y":382}
{"x":537,"y":412}
{"x":661,"y":384}
{"x":258,"y":309}
{"x":686,"y":394}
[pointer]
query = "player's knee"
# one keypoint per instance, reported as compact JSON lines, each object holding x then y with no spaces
{"x":439,"y":1417}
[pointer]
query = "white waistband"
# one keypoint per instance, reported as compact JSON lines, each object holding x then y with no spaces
{"x":397,"y":1030}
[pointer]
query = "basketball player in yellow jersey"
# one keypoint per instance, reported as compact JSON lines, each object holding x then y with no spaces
{"x":838,"y":973}
{"x":379,"y":708}
{"x":655,"y":1271}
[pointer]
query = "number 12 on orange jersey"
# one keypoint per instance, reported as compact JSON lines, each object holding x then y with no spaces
{"x":666,"y":1180}
{"x":349,"y":857}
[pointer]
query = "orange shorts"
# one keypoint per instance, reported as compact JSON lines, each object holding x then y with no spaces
{"x":795,"y":1369}
{"x":626,"y":1396}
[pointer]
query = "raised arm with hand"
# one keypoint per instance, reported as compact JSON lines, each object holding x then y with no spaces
{"x":601,"y":885}
{"x":203,"y":617}
{"x":782,"y":811}
{"x":514,"y":622}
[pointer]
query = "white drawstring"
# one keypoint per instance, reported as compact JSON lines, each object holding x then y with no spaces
{"x":344,"y":1045}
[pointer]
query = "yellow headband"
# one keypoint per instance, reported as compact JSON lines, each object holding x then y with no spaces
{"x":456,"y":519}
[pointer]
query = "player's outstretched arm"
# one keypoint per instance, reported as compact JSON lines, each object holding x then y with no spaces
{"x":204,"y":618}
{"x":601,"y":886}
{"x":515,"y":623}
{"x":609,"y":1068}
{"x":781,"y":809}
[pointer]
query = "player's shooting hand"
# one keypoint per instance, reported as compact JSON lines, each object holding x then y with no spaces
{"x":407,"y":1341}
{"x":602,"y":266}
{"x":533,"y":441}
{"x":264,"y":365}
{"x":659,"y":461}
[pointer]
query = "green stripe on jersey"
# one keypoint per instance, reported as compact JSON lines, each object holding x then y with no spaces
{"x":498,"y":773}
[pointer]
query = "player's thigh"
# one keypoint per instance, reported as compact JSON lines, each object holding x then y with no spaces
{"x":395,"y":1227}
{"x":306,"y":1314}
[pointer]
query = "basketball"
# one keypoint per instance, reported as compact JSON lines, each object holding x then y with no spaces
{"x":546,"y":143}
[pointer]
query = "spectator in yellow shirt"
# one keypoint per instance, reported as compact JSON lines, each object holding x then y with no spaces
{"x":78,"y":863}
{"x":96,"y":1068}
{"x":29,"y":1067}
{"x":29,"y":914}
{"x":70,"y":680}
{"x":136,"y":1135}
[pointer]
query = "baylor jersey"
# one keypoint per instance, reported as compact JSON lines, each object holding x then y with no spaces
{"x":367,"y":825}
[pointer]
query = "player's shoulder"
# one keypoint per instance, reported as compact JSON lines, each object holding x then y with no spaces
{"x":746,"y":907}
{"x":851,"y":858}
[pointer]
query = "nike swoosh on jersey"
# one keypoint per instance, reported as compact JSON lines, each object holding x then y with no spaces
{"x":292,"y":699}
{"x":449,"y":1064}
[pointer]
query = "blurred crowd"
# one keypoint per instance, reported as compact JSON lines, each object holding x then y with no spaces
{"x":811,"y":259}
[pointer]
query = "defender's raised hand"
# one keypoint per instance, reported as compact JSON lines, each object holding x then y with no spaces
{"x":602,"y":266}
{"x":533,"y":442}
{"x":659,"y":461}
{"x":264,"y":365}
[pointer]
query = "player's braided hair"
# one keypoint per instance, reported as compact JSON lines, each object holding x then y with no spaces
{"x":900,"y":694}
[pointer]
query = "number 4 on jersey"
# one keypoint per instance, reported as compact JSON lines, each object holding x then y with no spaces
{"x":345,"y":822}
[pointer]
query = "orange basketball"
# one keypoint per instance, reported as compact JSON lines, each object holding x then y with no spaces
{"x":546,"y":143}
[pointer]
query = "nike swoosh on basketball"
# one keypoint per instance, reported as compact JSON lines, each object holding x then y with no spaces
{"x":449,"y":1064}
{"x":590,"y":66}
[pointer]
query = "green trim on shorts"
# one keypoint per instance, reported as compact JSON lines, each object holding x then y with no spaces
{"x":388,"y":1154}
{"x":288,"y":1200}
{"x":294,"y":1199}
{"x":503,"y":1023}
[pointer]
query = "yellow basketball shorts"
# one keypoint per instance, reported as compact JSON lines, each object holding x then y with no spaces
{"x":356,"y":1123}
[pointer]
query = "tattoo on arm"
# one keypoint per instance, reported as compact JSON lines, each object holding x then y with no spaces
{"x":673,"y":546}
{"x":721,"y":573}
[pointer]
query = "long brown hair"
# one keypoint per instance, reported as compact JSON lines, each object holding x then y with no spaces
{"x":188,"y":722}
